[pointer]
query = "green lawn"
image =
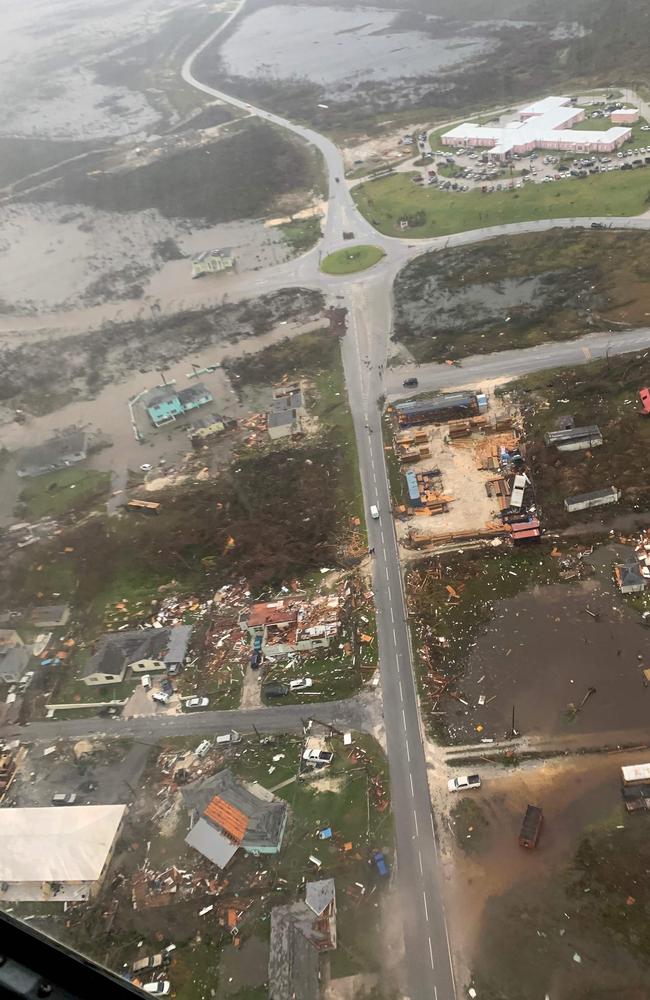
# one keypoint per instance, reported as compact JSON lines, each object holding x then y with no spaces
{"x":437,"y":213}
{"x":351,"y":259}
{"x":63,"y":491}
{"x":301,"y":234}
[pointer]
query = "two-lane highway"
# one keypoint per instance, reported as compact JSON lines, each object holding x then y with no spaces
{"x":429,"y":961}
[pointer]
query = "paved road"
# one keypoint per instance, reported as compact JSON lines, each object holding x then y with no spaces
{"x":354,"y":713}
{"x":509,"y":364}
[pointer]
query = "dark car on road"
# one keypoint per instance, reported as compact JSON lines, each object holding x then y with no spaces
{"x":410,"y":383}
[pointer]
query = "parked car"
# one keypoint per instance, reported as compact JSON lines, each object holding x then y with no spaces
{"x":301,"y":684}
{"x":598,"y":225}
{"x":151,"y":962}
{"x":202,"y":748}
{"x":159,"y":989}
{"x":166,"y":686}
{"x":197,"y":702}
{"x":410,"y":383}
{"x":318,"y":758}
{"x":380,"y":863}
{"x":161,"y":697}
{"x":463,"y":782}
{"x":232,"y":737}
{"x":374,"y":511}
{"x":145,"y":680}
{"x":64,"y":798}
{"x":145,"y":467}
{"x":275,"y":689}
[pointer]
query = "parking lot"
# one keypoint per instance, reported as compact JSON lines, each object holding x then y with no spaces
{"x":467,"y":168}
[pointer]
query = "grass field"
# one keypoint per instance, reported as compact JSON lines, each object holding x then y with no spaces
{"x":431,"y":212}
{"x":60,"y":492}
{"x":351,"y":259}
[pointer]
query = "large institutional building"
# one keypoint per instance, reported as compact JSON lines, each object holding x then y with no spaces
{"x":545,"y":124}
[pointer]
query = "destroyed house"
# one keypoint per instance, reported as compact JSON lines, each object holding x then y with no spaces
{"x":54,"y":616}
{"x":293,"y":625}
{"x":599,"y":498}
{"x":231,"y":814}
{"x":300,"y":933}
{"x":284,"y":416}
{"x":629,"y":578}
{"x":13,"y":664}
{"x":437,"y":409}
{"x":57,"y":453}
{"x":141,"y":650}
{"x":205,"y":428}
{"x":575,"y":438}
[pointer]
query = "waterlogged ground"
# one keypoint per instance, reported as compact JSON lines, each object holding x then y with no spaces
{"x":286,"y":41}
{"x":520,"y":917}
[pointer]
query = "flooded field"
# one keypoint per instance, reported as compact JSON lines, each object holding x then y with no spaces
{"x":108,"y":414}
{"x":520,"y":917}
{"x":286,"y":41}
{"x":54,"y":257}
{"x":48,"y":53}
{"x":521,"y":291}
{"x":567,"y":656}
{"x":541,"y":653}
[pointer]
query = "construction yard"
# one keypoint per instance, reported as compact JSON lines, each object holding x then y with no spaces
{"x":563,"y":920}
{"x":212,"y":924}
{"x":454,"y":465}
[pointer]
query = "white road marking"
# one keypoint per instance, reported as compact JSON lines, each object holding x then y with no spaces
{"x":408,"y":752}
{"x":401,"y":695}
{"x":394,"y":636}
{"x":403,"y":717}
{"x":420,"y":860}
{"x":451,"y":964}
{"x":426,"y":908}
{"x":415,"y":820}
{"x":392,"y":614}
{"x":412,"y":789}
{"x":386,"y":572}
{"x":435,"y":991}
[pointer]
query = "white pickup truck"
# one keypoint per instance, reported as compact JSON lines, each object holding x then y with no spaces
{"x":463,"y":782}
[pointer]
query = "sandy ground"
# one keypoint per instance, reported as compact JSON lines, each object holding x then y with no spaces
{"x":471,"y":508}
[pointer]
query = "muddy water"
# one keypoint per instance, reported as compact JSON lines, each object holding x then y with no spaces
{"x":288,"y":41}
{"x":498,"y":888}
{"x":108,"y":413}
{"x":50,"y":257}
{"x":542,"y":652}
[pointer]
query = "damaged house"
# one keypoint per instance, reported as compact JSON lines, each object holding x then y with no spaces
{"x":231,"y":814}
{"x":143,"y":651}
{"x":292,"y":625}
{"x":300,"y":933}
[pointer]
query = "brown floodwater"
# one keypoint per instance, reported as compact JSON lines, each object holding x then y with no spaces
{"x":542,"y":651}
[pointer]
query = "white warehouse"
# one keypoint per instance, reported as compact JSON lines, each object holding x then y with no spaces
{"x":545,"y":124}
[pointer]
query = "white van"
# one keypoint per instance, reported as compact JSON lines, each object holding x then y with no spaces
{"x":374,"y":511}
{"x":146,"y":681}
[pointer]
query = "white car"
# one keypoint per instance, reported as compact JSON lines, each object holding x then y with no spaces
{"x":301,"y":684}
{"x":197,"y":702}
{"x":161,"y":697}
{"x":374,"y":511}
{"x":464,"y":782}
{"x":159,"y":989}
{"x":145,"y":467}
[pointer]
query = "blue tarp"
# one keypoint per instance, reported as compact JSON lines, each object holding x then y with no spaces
{"x":412,"y":485}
